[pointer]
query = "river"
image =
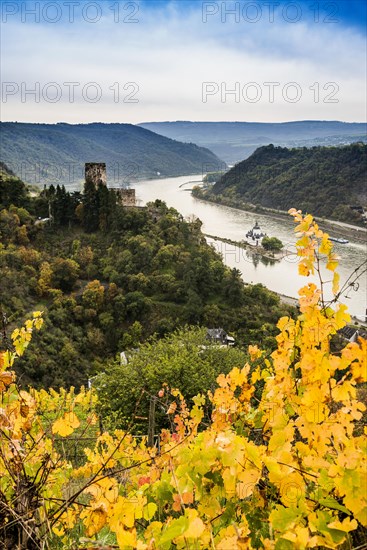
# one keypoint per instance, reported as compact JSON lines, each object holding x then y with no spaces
{"x":226,"y":222}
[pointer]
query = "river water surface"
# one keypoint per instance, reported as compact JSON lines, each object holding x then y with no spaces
{"x":223,"y":221}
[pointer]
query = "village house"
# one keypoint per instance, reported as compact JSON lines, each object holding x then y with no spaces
{"x":219,"y":336}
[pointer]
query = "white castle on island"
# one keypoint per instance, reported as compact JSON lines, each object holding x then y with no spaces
{"x":255,"y":233}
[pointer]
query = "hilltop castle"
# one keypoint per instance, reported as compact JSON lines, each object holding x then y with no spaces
{"x":96,"y":173}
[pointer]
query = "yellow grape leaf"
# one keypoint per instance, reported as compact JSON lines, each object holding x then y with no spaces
{"x":254,"y":352}
{"x":124,"y":514}
{"x":341,"y":316}
{"x":303,"y":242}
{"x":172,"y":408}
{"x":92,"y":419}
{"x":66,"y":425}
{"x":37,"y":319}
{"x":66,"y":522}
{"x":256,"y":375}
{"x":304,"y":226}
{"x":228,"y":538}
{"x":249,"y":476}
{"x":303,"y":269}
{"x":325,"y":246}
{"x":229,"y":480}
{"x":95,"y":519}
{"x":15,"y":334}
{"x":343,"y":391}
{"x":248,"y":480}
{"x":199,"y":400}
{"x":188,"y":497}
{"x":196,"y":525}
{"x":359,"y":367}
{"x":24,"y":410}
{"x":2,"y":361}
{"x":254,"y":453}
{"x":20,"y":347}
{"x":297,"y":214}
{"x":299,"y":536}
{"x":149,"y":511}
{"x":333,"y":262}
{"x":58,"y":530}
{"x":6,"y":378}
{"x":126,"y":539}
{"x":104,"y":490}
{"x":336,"y":279}
{"x":346,"y":525}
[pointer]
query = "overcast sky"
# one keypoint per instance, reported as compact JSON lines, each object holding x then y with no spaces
{"x":132,"y":61}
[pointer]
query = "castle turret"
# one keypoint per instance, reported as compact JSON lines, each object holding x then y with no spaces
{"x":95,"y":172}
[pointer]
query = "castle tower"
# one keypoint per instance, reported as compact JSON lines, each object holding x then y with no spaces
{"x":125,"y":197}
{"x":95,"y":172}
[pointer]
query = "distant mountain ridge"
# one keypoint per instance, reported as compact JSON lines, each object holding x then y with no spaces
{"x":56,"y":153}
{"x":235,"y":141}
{"x":324,"y":181}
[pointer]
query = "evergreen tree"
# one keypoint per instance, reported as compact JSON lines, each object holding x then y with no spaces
{"x":103,"y":201}
{"x":58,"y":209}
{"x":90,"y":208}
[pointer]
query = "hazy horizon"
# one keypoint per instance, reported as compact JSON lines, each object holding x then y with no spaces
{"x":181,"y":121}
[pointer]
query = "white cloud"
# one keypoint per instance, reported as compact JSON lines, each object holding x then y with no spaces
{"x":170,"y":53}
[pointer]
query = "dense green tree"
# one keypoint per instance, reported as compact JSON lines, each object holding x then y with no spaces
{"x":185,"y":360}
{"x":12,"y":230}
{"x":104,"y":210}
{"x":90,"y":208}
{"x":272,"y":244}
{"x":12,"y":189}
{"x":65,"y":274}
{"x":93,"y":295}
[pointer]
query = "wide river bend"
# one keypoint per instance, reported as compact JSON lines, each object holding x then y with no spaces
{"x":226,"y":222}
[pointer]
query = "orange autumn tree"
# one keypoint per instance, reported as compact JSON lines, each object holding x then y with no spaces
{"x":282,"y":464}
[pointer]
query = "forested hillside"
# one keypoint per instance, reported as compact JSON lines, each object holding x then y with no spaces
{"x":323,"y":180}
{"x":108,"y":277}
{"x":56,"y":153}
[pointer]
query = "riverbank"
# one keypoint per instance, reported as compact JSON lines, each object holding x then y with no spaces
{"x":259,"y":250}
{"x":336,"y":229}
{"x":279,"y":276}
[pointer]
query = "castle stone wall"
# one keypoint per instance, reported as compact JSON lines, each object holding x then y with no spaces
{"x":95,"y":172}
{"x":126,"y":197}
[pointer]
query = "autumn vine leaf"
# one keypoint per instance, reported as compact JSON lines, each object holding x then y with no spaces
{"x":281,"y":464}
